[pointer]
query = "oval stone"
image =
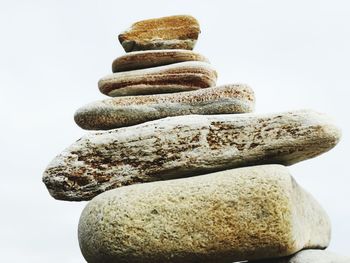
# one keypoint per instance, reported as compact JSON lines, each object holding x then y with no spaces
{"x":154,"y":58}
{"x":233,"y":215}
{"x":177,"y":77}
{"x":125,"y":111}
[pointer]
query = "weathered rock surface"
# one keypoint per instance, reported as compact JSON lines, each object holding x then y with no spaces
{"x":172,"y":32}
{"x":309,"y":256}
{"x":154,"y":58}
{"x":126,"y":111}
{"x":239,"y":214}
{"x":176,"y":77}
{"x":185,"y":146}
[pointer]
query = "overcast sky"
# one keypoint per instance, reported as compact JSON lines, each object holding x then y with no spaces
{"x":294,"y":54}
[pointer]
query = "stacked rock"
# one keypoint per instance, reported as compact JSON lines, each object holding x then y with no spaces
{"x":233,"y":198}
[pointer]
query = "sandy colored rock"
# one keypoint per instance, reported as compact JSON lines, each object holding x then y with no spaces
{"x":238,"y":214}
{"x":309,"y":256}
{"x":172,"y":32}
{"x":176,"y":77}
{"x":185,"y":146}
{"x":154,"y":58}
{"x":125,"y":111}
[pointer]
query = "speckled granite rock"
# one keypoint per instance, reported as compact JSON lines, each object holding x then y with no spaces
{"x":176,"y":77}
{"x":154,"y":58}
{"x":126,"y":111}
{"x":172,"y":32}
{"x":239,"y":214}
{"x":185,"y":146}
{"x":309,"y":256}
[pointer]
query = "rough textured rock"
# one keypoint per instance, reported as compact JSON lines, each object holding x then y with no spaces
{"x":126,"y":111}
{"x":172,"y":32}
{"x":247,"y":213}
{"x":185,"y":146}
{"x":154,"y":58}
{"x":309,"y":256}
{"x":176,"y":77}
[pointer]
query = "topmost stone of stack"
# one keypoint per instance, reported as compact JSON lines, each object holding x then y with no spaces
{"x":171,"y":32}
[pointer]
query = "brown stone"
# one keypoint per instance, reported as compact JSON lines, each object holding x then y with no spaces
{"x":125,"y":111}
{"x":176,"y":77}
{"x":154,"y":58}
{"x":172,"y":32}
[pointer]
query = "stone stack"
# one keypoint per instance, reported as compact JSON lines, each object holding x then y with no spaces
{"x":193,"y":175}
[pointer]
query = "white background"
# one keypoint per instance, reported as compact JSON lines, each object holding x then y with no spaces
{"x":294,"y":54}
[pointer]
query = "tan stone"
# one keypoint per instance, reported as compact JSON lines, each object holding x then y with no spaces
{"x":309,"y":256}
{"x":239,"y":214}
{"x":172,"y":32}
{"x":126,"y":111}
{"x":176,"y":77}
{"x":186,"y":146}
{"x":154,"y":58}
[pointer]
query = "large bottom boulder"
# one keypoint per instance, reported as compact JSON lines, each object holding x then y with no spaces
{"x":241,"y":214}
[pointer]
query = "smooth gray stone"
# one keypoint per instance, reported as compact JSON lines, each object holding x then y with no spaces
{"x":309,"y":256}
{"x":185,"y":146}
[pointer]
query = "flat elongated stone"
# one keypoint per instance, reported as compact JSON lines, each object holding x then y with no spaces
{"x":154,"y":58}
{"x":309,"y":256}
{"x":183,"y":146}
{"x":177,"y":77}
{"x":126,"y":111}
{"x":172,"y":32}
{"x":239,"y":214}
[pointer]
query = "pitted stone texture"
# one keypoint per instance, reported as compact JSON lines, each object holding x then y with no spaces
{"x":176,"y":77}
{"x":154,"y":58}
{"x":125,"y":111}
{"x":239,"y":214}
{"x":172,"y":32}
{"x":185,"y":146}
{"x":309,"y":256}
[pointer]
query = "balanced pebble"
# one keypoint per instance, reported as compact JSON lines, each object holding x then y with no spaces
{"x":125,"y":111}
{"x":172,"y":32}
{"x":154,"y":58}
{"x":176,"y":77}
{"x":185,"y":146}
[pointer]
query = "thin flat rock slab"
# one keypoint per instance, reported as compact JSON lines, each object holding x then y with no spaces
{"x":176,"y":77}
{"x":185,"y":146}
{"x":172,"y":32}
{"x":126,"y":111}
{"x":154,"y":58}
{"x":239,"y":214}
{"x":309,"y":256}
